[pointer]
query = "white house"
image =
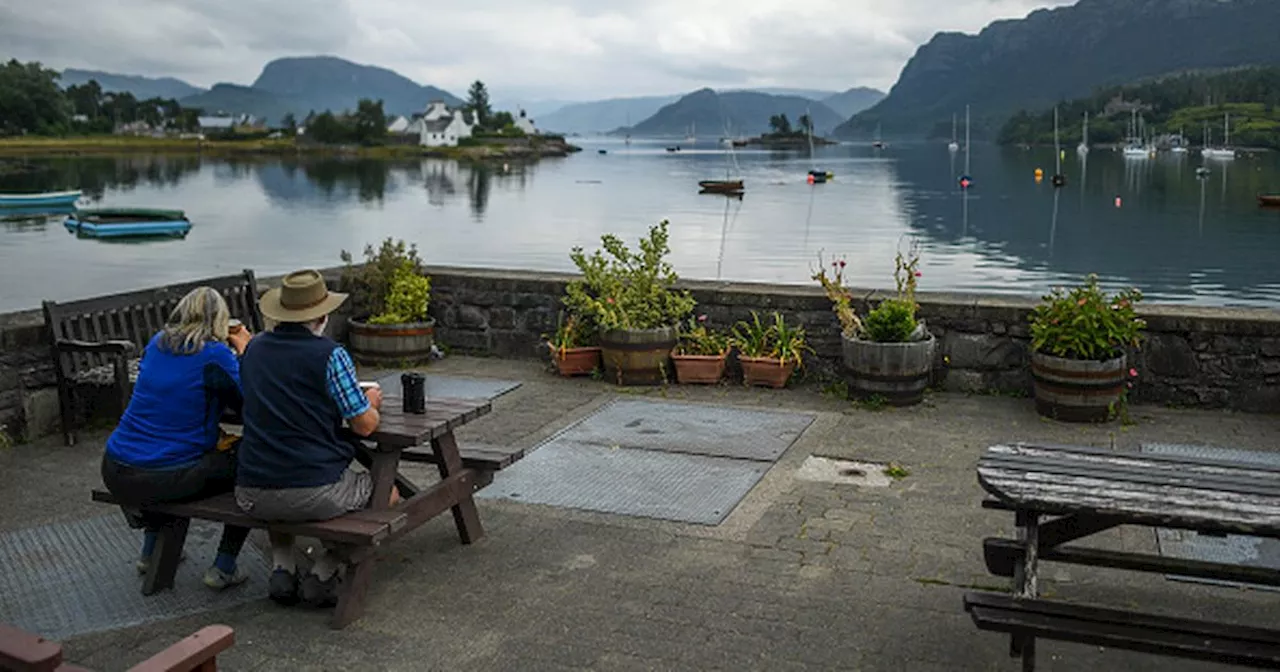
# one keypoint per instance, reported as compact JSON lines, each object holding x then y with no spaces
{"x":524,"y":123}
{"x":399,"y":125}
{"x":436,"y":109}
{"x":441,"y":127}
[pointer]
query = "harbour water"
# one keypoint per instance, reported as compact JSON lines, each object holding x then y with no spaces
{"x":1149,"y":223}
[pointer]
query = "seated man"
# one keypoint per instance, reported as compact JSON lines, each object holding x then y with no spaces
{"x":294,"y":463}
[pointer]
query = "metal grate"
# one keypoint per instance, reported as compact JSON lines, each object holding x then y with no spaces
{"x":696,"y":429}
{"x":650,"y":484}
{"x":454,"y":387}
{"x":74,"y":578}
{"x":685,"y":462}
{"x":1233,"y":548}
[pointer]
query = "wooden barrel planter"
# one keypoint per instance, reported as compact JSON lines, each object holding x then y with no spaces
{"x":1077,"y":390}
{"x":897,"y":372}
{"x":408,"y":343}
{"x":637,"y":356}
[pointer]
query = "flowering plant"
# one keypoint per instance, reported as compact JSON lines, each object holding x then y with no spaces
{"x":778,"y":340}
{"x":570,"y":334}
{"x":628,"y":290}
{"x":1084,"y":323}
{"x":696,"y":338}
{"x":894,"y":320}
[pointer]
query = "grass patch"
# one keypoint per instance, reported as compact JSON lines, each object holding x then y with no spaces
{"x":118,"y":144}
{"x":896,"y":471}
{"x":875,"y":402}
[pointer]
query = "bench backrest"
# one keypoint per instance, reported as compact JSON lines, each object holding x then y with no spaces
{"x":137,"y":316}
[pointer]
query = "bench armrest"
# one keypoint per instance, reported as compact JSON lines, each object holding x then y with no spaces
{"x":106,"y":347}
{"x":191,"y":652}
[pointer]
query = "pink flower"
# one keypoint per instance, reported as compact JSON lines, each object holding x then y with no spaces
{"x":609,"y":300}
{"x":1130,"y":385}
{"x":702,"y":318}
{"x":919,"y":274}
{"x":842,"y":263}
{"x":1133,"y":373}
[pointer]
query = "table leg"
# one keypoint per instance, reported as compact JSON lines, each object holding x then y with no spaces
{"x":365,"y":457}
{"x":382,"y":467}
{"x":1026,"y":582}
{"x":165,"y":557}
{"x":465,"y":515}
{"x":355,"y":588}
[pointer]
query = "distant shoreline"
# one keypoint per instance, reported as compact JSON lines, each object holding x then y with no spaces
{"x":99,"y":145}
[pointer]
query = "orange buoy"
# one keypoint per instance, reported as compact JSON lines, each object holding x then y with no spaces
{"x":1118,"y":201}
{"x":810,"y":180}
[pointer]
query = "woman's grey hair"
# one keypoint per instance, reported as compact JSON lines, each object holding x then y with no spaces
{"x":201,"y":316}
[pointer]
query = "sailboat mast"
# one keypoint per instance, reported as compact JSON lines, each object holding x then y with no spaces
{"x":966,"y":139}
{"x":1057,"y":148}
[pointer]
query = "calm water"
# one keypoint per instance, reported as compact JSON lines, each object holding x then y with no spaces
{"x":1178,"y":238}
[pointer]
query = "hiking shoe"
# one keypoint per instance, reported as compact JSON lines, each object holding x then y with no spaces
{"x":219,"y":580}
{"x":144,"y":563}
{"x":283,"y":587}
{"x":320,"y":593}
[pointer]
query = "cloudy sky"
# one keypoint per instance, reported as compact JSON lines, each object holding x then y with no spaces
{"x":566,"y":49}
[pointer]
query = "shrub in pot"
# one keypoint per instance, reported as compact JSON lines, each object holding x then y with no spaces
{"x":631,"y":297}
{"x":573,"y":348}
{"x":889,"y":352}
{"x":390,"y":295}
{"x":1079,"y":339}
{"x":769,"y":352}
{"x":700,"y":354}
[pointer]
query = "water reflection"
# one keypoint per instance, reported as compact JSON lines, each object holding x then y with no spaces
{"x":1006,"y":234}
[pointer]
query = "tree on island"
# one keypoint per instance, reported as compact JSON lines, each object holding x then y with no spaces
{"x":806,"y":124}
{"x":289,"y":123}
{"x":369,"y":123}
{"x":780,"y":124}
{"x":478,"y":103}
{"x":30,"y":100}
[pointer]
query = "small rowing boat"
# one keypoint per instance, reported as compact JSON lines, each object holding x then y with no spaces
{"x":37,"y":200}
{"x":721,"y":186}
{"x":133,"y":222}
{"x":1269,"y":200}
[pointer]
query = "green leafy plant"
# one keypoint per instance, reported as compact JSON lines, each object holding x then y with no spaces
{"x":407,"y":298}
{"x":696,"y":338}
{"x":570,"y":333}
{"x":370,"y":283}
{"x":6,"y":441}
{"x":778,"y":340}
{"x":622,"y":289}
{"x":1084,"y":323}
{"x":896,"y":471}
{"x":894,"y":320}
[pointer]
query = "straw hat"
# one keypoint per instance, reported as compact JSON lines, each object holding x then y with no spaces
{"x":301,"y":297}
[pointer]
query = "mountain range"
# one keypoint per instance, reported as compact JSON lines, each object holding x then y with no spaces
{"x":1065,"y":53}
{"x":141,"y":87}
{"x":732,"y":113}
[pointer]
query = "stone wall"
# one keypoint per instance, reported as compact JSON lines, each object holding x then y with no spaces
{"x":1197,"y":357}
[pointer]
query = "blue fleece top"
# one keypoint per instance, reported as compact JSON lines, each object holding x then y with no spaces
{"x":173,"y":416}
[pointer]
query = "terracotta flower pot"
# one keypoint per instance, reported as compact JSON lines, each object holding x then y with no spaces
{"x":699,"y":369}
{"x":577,"y":361}
{"x":766,"y":371}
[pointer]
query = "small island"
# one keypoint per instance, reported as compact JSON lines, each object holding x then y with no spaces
{"x":786,"y":137}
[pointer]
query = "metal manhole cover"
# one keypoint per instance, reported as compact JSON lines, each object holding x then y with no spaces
{"x":74,"y":578}
{"x":696,"y":429}
{"x":647,"y":483}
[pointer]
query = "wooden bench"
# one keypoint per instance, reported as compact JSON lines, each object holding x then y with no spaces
{"x":352,"y":532}
{"x":1027,"y":619}
{"x":97,"y":342}
{"x":21,"y":651}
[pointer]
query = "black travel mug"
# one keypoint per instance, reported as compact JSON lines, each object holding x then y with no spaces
{"x":414,"y":391}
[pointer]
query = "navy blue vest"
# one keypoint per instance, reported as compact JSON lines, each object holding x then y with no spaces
{"x":290,"y":422}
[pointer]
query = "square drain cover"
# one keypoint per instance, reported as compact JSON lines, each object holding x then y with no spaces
{"x":829,"y":470}
{"x":697,"y":429}
{"x":646,"y":483}
{"x":74,"y":578}
{"x":1233,"y":549}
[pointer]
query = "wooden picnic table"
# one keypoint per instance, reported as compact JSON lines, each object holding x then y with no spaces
{"x":1061,"y":494}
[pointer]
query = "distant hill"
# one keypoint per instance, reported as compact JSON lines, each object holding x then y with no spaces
{"x":811,"y":94}
{"x":330,"y":83}
{"x":236,"y":99}
{"x":602,"y":115}
{"x":853,"y":101}
{"x":745,"y":113}
{"x":1065,"y":53}
{"x":141,"y":87}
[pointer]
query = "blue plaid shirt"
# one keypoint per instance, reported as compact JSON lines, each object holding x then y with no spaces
{"x":344,"y":386}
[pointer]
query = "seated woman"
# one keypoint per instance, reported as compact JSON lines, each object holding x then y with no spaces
{"x":166,"y":447}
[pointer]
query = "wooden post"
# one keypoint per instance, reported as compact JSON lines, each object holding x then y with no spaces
{"x":1026,"y":582}
{"x":465,"y":515}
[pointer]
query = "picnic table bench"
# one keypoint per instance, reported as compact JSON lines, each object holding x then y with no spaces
{"x":399,"y":437}
{"x":21,"y":651}
{"x":1061,"y":494}
{"x":97,"y":342}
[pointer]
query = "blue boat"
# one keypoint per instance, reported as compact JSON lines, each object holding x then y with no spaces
{"x":46,"y":199}
{"x":128,"y":222}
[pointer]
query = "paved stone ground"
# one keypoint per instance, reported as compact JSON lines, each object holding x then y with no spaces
{"x":802,"y":576}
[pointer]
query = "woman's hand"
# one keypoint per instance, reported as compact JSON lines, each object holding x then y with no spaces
{"x":239,"y":340}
